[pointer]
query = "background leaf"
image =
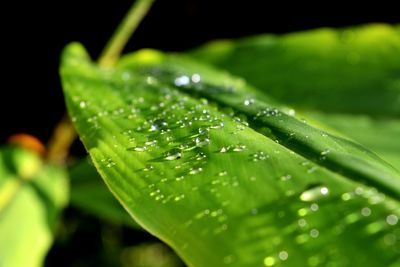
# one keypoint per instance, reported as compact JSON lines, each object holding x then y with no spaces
{"x":32,"y":195}
{"x":90,"y":194}
{"x":197,"y":166}
{"x":351,"y":77}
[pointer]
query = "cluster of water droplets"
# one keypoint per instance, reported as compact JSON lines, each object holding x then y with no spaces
{"x":175,"y":131}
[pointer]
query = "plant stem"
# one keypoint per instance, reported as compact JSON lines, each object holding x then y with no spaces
{"x":63,"y":136}
{"x":64,"y":133}
{"x":124,"y":31}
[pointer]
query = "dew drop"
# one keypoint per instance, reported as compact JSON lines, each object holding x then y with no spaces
{"x":173,"y":154}
{"x":283,"y":255}
{"x":223,"y":173}
{"x":314,"y":193}
{"x":314,"y":233}
{"x":392,"y":219}
{"x":137,"y":148}
{"x":302,"y":222}
{"x":325,"y":152}
{"x":365,"y":212}
{"x":202,"y":141}
{"x":196,"y":78}
{"x":259,"y":156}
{"x":248,"y":102}
{"x":182,"y":80}
{"x":158,"y":125}
{"x":314,"y":207}
{"x":269,"y":261}
{"x":286,"y":177}
{"x":238,"y":148}
{"x":195,"y":170}
{"x":151,"y":143}
{"x":291,"y":112}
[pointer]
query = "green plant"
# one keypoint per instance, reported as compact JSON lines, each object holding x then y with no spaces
{"x":215,"y":165}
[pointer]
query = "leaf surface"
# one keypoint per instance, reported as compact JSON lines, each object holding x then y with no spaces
{"x":223,"y":179}
{"x":348,"y":79}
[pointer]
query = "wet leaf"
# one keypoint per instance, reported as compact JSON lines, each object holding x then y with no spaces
{"x":222,"y":173}
{"x":351,"y":77}
{"x":32,"y":195}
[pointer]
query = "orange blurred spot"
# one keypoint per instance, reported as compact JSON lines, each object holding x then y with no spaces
{"x":28,"y":141}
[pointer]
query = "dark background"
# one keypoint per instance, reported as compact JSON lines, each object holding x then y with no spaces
{"x":33,"y":34}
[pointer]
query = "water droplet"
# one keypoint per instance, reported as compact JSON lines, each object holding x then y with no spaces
{"x":202,"y":141}
{"x":238,"y":148}
{"x":196,"y":78}
{"x":392,"y":219}
{"x":291,"y":112}
{"x":286,"y":177}
{"x":151,"y":143}
{"x":178,"y":198}
{"x":314,"y":193}
{"x":302,"y":222}
{"x":108,"y":162}
{"x":82,"y":104}
{"x":182,"y":80}
{"x":269,"y":261}
{"x":314,"y":233}
{"x":325,"y":152}
{"x":314,"y":207}
{"x":365,"y":211}
{"x":283,"y":255}
{"x":148,"y":168}
{"x":173,"y":154}
{"x":158,"y":125}
{"x":346,"y":196}
{"x":248,"y":102}
{"x":137,"y":148}
{"x":195,"y":170}
{"x":224,"y":149}
{"x":359,"y":191}
{"x":259,"y":156}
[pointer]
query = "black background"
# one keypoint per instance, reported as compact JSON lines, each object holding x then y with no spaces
{"x":33,"y":34}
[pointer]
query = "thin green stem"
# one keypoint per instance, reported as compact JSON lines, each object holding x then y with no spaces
{"x":64,"y":133}
{"x":124,"y":31}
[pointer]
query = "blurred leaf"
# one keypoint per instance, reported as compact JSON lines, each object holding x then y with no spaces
{"x":223,"y":175}
{"x":149,"y":255}
{"x":315,"y":69}
{"x":90,"y":194}
{"x":351,"y":76}
{"x":32,"y":195}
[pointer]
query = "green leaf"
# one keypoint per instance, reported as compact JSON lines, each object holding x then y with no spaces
{"x":32,"y":195}
{"x":360,"y":63}
{"x":224,"y":175}
{"x":351,"y":76}
{"x":379,"y":135}
{"x":90,"y":194}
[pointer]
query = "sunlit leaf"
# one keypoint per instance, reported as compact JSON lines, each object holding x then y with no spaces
{"x":32,"y":195}
{"x":223,"y":174}
{"x":350,"y":76}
